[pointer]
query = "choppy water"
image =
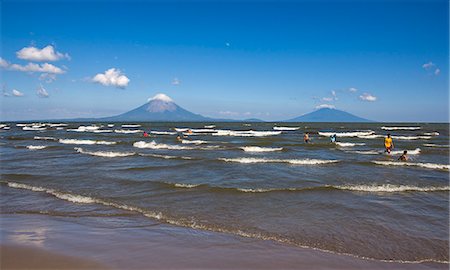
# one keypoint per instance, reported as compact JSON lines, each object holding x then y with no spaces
{"x":256,"y":180}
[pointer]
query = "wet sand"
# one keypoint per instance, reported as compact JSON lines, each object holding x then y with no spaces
{"x":58,"y":242}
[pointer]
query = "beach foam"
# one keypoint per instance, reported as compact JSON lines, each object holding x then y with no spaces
{"x":165,"y":156}
{"x":436,"y":145}
{"x":104,"y":154}
{"x":260,"y":149}
{"x":431,"y":133}
{"x":400,"y":128}
{"x":410,"y":152}
{"x":154,"y":145}
{"x":286,"y":128}
{"x":409,"y":138}
{"x":85,"y":129}
{"x":45,"y":138}
{"x":248,"y":133}
{"x":418,"y":164}
{"x":36,"y":147}
{"x":163,"y":132}
{"x":347,"y":144}
{"x":247,"y":160}
{"x":210,"y":126}
{"x":34,"y":128}
{"x":128,"y":131}
{"x":193,"y":142}
{"x":179,"y":185}
{"x":348,"y":133}
{"x":75,"y":141}
{"x":131,"y":126}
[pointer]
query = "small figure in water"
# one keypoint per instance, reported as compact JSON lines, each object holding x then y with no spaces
{"x":388,"y":143}
{"x":145,"y":134}
{"x":179,"y":139}
{"x":404,"y":157}
{"x":189,"y":131}
{"x":333,"y":138}
{"x":306,"y":137}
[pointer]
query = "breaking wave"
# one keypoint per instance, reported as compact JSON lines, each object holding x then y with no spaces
{"x":75,"y":141}
{"x":286,"y":128}
{"x":45,"y":138}
{"x":418,"y":164}
{"x":130,"y":126}
{"x":154,"y":145}
{"x":410,"y":152}
{"x":260,"y":149}
{"x":36,"y":147}
{"x":409,"y":138}
{"x":166,"y":156}
{"x":128,"y":131}
{"x":246,"y":160}
{"x":163,"y":132}
{"x":193,"y":142}
{"x":400,"y":128}
{"x":248,"y":133}
{"x":436,"y":145}
{"x":347,"y":144}
{"x":347,"y":134}
{"x":104,"y":154}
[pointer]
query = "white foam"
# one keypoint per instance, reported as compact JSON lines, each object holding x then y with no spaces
{"x":418,"y":164}
{"x":105,"y":154}
{"x":36,"y":147}
{"x":110,"y":125}
{"x":34,"y":128}
{"x":373,"y":136}
{"x":390,"y":188}
{"x":60,"y":195}
{"x":102,"y":131}
{"x":179,"y":185}
{"x":181,"y":129}
{"x":85,"y":129}
{"x":163,"y":132}
{"x":128,"y":131}
{"x":57,"y":125}
{"x":165,"y":156}
{"x":6,"y":128}
{"x":210,"y":126}
{"x":193,"y":142}
{"x":436,"y":145}
{"x":203,"y":130}
{"x":131,"y":126}
{"x":347,"y":144}
{"x":2,"y":125}
{"x":154,"y":145}
{"x":286,"y":128}
{"x":260,"y":149}
{"x":431,"y":133}
{"x":401,"y":128}
{"x":410,"y":152}
{"x":247,"y":160}
{"x":45,"y":138}
{"x":409,"y":138}
{"x":75,"y":141}
{"x":348,"y":133}
{"x":248,"y":133}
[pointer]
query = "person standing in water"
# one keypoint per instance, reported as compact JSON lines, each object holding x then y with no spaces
{"x":404,"y":157}
{"x":306,"y":137}
{"x":333,"y":138}
{"x":388,"y":143}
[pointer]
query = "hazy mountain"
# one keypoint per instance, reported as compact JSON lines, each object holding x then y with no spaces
{"x":328,"y":115}
{"x":159,"y":108}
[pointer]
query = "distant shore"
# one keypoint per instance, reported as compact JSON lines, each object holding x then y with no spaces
{"x":82,"y":243}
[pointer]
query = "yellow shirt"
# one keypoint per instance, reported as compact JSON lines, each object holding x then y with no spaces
{"x":388,"y":142}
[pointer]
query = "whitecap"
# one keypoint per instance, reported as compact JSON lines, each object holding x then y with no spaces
{"x":247,"y":133}
{"x":130,"y":126}
{"x":409,"y":138}
{"x":165,"y":156}
{"x":180,"y":185}
{"x":210,"y":126}
{"x":181,"y":129}
{"x":154,"y":145}
{"x":436,"y":145}
{"x":127,"y":131}
{"x":247,"y":160}
{"x":418,"y":164}
{"x":105,"y":154}
{"x":347,"y":144}
{"x":45,"y":138}
{"x":286,"y":128}
{"x":347,"y":134}
{"x":57,"y":125}
{"x":400,"y":128}
{"x":193,"y":142}
{"x":431,"y":133}
{"x":373,"y":136}
{"x":110,"y":125}
{"x":260,"y":149}
{"x":390,"y":188}
{"x":163,"y":132}
{"x":410,"y":152}
{"x":75,"y":141}
{"x":85,"y":129}
{"x":36,"y":147}
{"x":34,"y":128}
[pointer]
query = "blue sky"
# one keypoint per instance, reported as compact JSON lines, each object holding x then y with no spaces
{"x":382,"y":60}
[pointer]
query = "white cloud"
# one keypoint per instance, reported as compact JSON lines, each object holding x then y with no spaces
{"x":41,"y":92}
{"x":322,"y":106}
{"x":327,"y":99}
{"x":112,"y":77}
{"x":47,"y":53}
{"x":367,"y":97}
{"x":3,"y":63}
{"x":428,"y":65}
{"x":47,"y":77}
{"x":437,"y":72}
{"x":32,"y":67}
{"x":176,"y":81}
{"x":17,"y":93}
{"x":352,"y":89}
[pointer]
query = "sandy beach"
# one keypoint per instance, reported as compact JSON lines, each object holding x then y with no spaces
{"x":49,"y":242}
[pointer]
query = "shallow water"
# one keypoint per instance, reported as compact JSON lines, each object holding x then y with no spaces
{"x":253,"y":181}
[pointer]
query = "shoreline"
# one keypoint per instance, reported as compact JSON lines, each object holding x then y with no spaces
{"x":159,"y":246}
